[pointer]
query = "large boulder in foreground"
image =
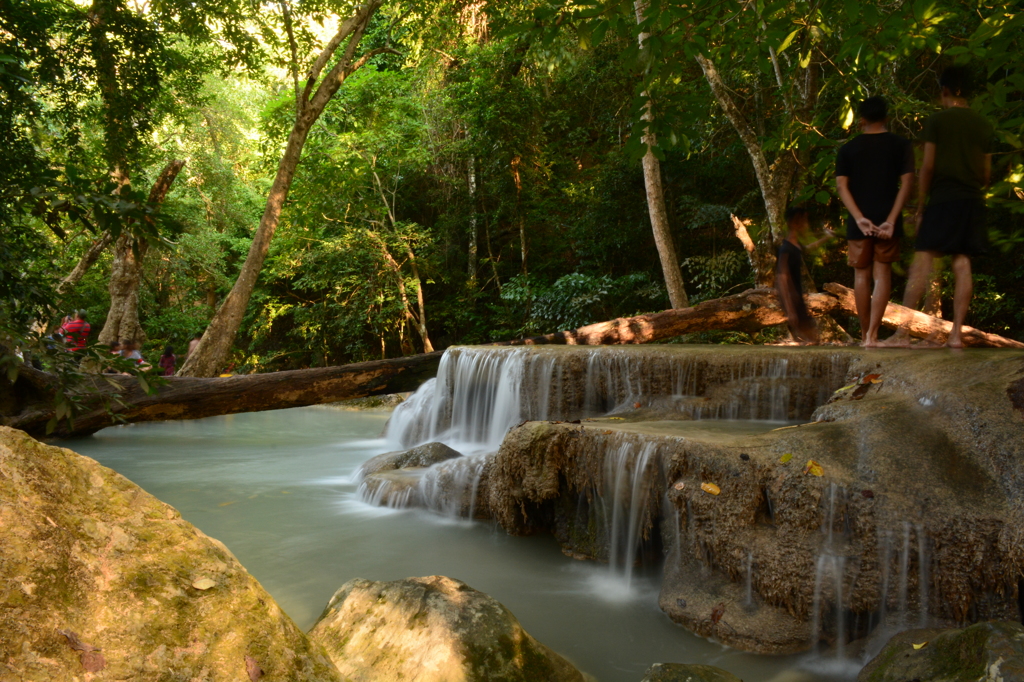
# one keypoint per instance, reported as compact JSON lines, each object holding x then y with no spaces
{"x":432,"y":629}
{"x":678,"y":672}
{"x":101,"y":577}
{"x":984,"y":652}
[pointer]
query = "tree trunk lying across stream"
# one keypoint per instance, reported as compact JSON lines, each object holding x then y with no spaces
{"x":28,"y":403}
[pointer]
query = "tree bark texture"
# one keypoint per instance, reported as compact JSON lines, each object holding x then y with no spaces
{"x":92,"y":254}
{"x":656,"y":199}
{"x":749,"y":311}
{"x":921,"y":325}
{"x":126,"y":272}
{"x":26,"y":405}
{"x":210,"y":356}
{"x":760,"y":256}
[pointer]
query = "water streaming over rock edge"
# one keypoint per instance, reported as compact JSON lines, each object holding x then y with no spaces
{"x":481,"y":393}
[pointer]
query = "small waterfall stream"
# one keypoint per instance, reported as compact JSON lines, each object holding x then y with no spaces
{"x":482,"y":392}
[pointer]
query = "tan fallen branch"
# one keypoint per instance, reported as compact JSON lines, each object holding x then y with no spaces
{"x":750,"y":311}
{"x":921,"y":325}
{"x":29,"y":402}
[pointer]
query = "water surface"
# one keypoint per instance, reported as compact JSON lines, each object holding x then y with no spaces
{"x":277,"y":489}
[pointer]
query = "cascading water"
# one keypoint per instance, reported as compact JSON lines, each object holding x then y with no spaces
{"x":627,"y":468}
{"x":479,"y":394}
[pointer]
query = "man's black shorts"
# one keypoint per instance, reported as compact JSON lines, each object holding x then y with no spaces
{"x":954,"y":227}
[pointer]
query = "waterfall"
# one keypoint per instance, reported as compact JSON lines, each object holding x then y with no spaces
{"x":625,"y":499}
{"x":482,"y":392}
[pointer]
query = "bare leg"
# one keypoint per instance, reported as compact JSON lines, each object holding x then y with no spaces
{"x":961,"y":298}
{"x":879,"y":301}
{"x":862,"y":296}
{"x":920,"y":269}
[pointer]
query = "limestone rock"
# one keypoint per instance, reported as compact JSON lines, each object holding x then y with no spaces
{"x":419,"y":456}
{"x":101,"y":577}
{"x":984,"y":652}
{"x":432,"y":629}
{"x":677,"y":672}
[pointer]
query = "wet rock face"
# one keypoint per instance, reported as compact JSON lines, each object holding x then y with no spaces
{"x":677,"y":672}
{"x":431,"y":629}
{"x":419,"y":456}
{"x":987,"y":652}
{"x":101,"y":577}
{"x":917,"y":509}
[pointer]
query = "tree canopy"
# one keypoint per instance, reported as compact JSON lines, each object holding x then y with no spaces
{"x":477,"y":176}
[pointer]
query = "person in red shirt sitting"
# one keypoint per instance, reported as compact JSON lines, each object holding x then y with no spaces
{"x":77,"y":331}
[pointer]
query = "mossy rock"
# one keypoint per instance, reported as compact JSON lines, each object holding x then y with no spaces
{"x":420,"y":456}
{"x":677,"y":672}
{"x":103,"y":581}
{"x":984,"y":652}
{"x":432,"y":629}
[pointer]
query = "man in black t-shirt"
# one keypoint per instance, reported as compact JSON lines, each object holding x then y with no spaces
{"x":955,"y":169}
{"x":874,"y":175}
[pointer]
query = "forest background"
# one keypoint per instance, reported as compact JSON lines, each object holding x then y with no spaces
{"x":478,"y":176}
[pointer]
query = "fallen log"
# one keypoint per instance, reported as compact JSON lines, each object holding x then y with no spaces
{"x":921,"y":325}
{"x":28,"y":404}
{"x":750,"y":311}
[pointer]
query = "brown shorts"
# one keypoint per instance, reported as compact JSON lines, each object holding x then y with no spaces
{"x":862,"y":252}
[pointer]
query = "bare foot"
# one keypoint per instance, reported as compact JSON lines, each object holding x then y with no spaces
{"x":955,"y":342}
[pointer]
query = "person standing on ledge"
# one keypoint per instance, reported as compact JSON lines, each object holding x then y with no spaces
{"x":788,"y":272}
{"x":955,"y":169}
{"x":874,"y":176}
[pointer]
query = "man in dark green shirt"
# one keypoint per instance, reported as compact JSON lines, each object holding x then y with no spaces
{"x":955,"y":169}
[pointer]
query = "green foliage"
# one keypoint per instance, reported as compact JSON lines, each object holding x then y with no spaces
{"x":577,"y":299}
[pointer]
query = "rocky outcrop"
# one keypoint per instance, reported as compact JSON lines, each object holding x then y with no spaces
{"x":903,"y":494}
{"x":677,"y":672}
{"x":101,"y":577}
{"x":984,"y":652}
{"x":419,"y":456}
{"x":432,"y":629}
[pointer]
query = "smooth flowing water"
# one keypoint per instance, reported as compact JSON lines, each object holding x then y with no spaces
{"x":278,"y":489}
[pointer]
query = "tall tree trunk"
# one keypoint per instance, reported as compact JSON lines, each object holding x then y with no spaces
{"x":656,"y":199}
{"x":214,"y":348}
{"x":472,"y":253}
{"x":125,"y":275}
{"x":126,"y":272}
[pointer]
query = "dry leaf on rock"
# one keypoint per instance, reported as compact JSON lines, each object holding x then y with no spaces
{"x":813,"y":468}
{"x":785,"y":458}
{"x":679,"y":485}
{"x":75,"y":642}
{"x":920,"y":646}
{"x":872,"y":379}
{"x":204,"y":584}
{"x":710,"y":488}
{"x":92,"y":661}
{"x":253,"y":668}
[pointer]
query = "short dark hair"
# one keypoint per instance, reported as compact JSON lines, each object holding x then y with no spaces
{"x":80,"y":314}
{"x":958,"y":80}
{"x":168,"y":351}
{"x":873,"y":109}
{"x":794,"y":211}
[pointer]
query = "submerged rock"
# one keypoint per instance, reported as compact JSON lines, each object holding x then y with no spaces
{"x":984,"y":652}
{"x":432,"y":629}
{"x":101,"y":577}
{"x":419,"y":456}
{"x":678,"y":672}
